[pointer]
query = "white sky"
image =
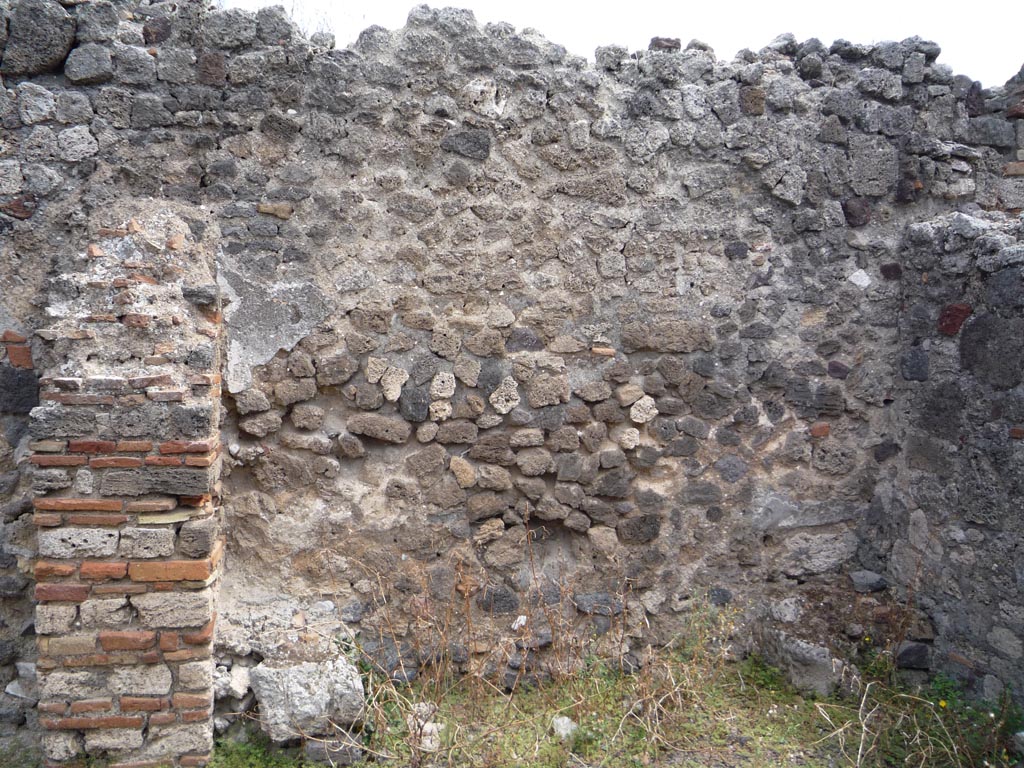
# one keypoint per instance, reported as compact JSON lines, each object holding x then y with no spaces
{"x":981,"y":39}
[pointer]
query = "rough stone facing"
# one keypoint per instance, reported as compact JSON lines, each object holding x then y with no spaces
{"x":500,"y":330}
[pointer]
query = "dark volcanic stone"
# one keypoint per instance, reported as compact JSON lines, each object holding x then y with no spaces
{"x":156,"y":30}
{"x":40,"y":34}
{"x":891,"y":271}
{"x":885,"y":451}
{"x":19,"y":390}
{"x":992,"y":348}
{"x":700,"y":492}
{"x":498,"y":599}
{"x":1004,"y":291}
{"x":639,"y":530}
{"x":838,"y":370}
{"x":524,"y":340}
{"x":731,"y":468}
{"x":719,"y":596}
{"x":12,"y":586}
{"x":414,"y":404}
{"x":736,"y":250}
{"x":913,"y":655}
{"x":597,"y":603}
{"x":857,"y":211}
{"x":670,"y":44}
{"x":614,"y":484}
{"x":868,"y":581}
{"x":474,"y":144}
{"x":914,"y":364}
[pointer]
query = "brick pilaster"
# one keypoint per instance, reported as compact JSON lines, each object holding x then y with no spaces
{"x":127,"y":460}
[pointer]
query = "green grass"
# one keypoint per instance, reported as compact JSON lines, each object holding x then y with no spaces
{"x":689,"y":705}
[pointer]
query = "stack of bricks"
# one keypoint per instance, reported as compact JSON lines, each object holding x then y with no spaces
{"x":126,"y":486}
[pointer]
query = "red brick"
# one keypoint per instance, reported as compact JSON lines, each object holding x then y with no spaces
{"x":19,"y":357}
{"x":48,"y":446}
{"x":170,"y":570}
{"x":94,"y":660}
{"x":88,"y":723}
{"x":47,"y":568}
{"x":192,"y":700}
{"x":92,"y":446}
{"x":134,"y":446}
{"x":1017,"y":433}
{"x":142,"y":704}
{"x":125,"y":640}
{"x":131,"y":401}
{"x":103,"y":571}
{"x":121,"y":462}
{"x":163,"y":718}
{"x":47,"y":520}
{"x":71,"y":398}
{"x":952,"y":317}
{"x":187,"y":653}
{"x":14,"y":336}
{"x":185,"y":446}
{"x":194,"y":761}
{"x":165,"y":395}
{"x":66,"y":383}
{"x":204,"y":379}
{"x":91,"y":705}
{"x":132,"y":764}
{"x":194,"y":501}
{"x":163,"y":461}
{"x":119,"y":589}
{"x":201,"y":637}
{"x":154,"y":380}
{"x":135,"y":320}
{"x":62,"y":593}
{"x":58,"y":461}
{"x":820,"y":429}
{"x":52,"y":707}
{"x":152,"y":505}
{"x":195,"y":716}
{"x":202,"y":461}
{"x":97,"y":519}
{"x":169,"y":641}
{"x":1014,"y":169}
{"x":98,"y":319}
{"x":77,"y":505}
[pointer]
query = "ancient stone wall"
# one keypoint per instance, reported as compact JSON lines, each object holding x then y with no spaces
{"x":521,"y":356}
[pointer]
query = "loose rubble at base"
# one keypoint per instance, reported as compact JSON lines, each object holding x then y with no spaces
{"x":450,"y":345}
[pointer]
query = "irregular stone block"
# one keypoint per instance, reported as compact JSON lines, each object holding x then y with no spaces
{"x":64,"y":543}
{"x":197,"y":537}
{"x":173,"y":481}
{"x":54,"y":619}
{"x":874,"y":165}
{"x":307,"y":698}
{"x":112,"y":740}
{"x":19,"y":393}
{"x":474,"y":144}
{"x":106,"y":612}
{"x":162,"y":741}
{"x":39,"y":35}
{"x":389,"y":430}
{"x":89,"y":64}
{"x":173,"y":609}
{"x":142,"y":543}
